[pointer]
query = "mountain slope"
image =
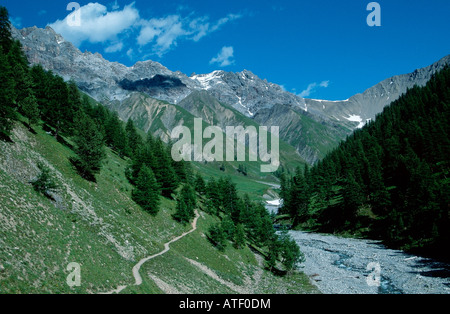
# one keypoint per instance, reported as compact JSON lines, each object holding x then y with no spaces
{"x":151,"y":115}
{"x":311,"y":139}
{"x":101,"y":79}
{"x":98,"y":226}
{"x":144,"y":92}
{"x":320,"y":124}
{"x":245,"y":91}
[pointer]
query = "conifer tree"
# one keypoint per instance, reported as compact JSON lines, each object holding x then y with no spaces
{"x":146,"y":194}
{"x":20,"y":72}
{"x":97,"y":112}
{"x":116,"y":137}
{"x":74,"y":106}
{"x":217,"y":237}
{"x":182,"y":214}
{"x":264,"y":229}
{"x":29,"y":108}
{"x":40,"y":85}
{"x":134,"y":140}
{"x":353,"y":198}
{"x":274,"y":250}
{"x":290,"y":252}
{"x":213,"y":194}
{"x":187,"y":193}
{"x":143,"y":156}
{"x":247,"y":210}
{"x":7,"y":106}
{"x":230,"y":199}
{"x":200,"y":186}
{"x":89,"y":148}
{"x":284,"y":187}
{"x":239,"y":236}
{"x":57,"y":113}
{"x":180,"y":170}
{"x":164,"y":172}
{"x":44,"y":183}
{"x":5,"y":31}
{"x":298,"y":198}
{"x":186,"y":203}
{"x":229,"y":227}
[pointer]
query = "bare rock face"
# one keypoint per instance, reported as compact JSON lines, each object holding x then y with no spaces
{"x":245,"y":91}
{"x":96,"y":76}
{"x":313,"y":127}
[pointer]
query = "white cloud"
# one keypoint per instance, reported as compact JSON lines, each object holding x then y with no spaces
{"x":224,"y":58}
{"x":115,"y":5}
{"x":116,"y":47}
{"x":97,"y":24}
{"x":312,"y":88}
{"x":110,"y":25}
{"x":16,"y":21}
{"x":204,"y":29}
{"x":164,"y":33}
{"x":308,"y":90}
{"x":130,"y":53}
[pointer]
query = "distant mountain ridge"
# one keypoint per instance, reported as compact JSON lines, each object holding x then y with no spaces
{"x":312,"y":127}
{"x":365,"y":106}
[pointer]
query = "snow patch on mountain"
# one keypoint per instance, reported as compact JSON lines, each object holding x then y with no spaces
{"x":336,"y":101}
{"x":208,"y":81}
{"x":356,"y":118}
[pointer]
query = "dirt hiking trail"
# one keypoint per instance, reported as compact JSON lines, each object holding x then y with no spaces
{"x":137,"y":267}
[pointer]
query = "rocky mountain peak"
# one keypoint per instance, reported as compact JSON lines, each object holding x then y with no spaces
{"x":265,"y":102}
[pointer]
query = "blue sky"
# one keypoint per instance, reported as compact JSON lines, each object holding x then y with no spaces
{"x":319,"y":49}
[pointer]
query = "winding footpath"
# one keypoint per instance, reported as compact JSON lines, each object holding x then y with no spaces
{"x":137,"y":267}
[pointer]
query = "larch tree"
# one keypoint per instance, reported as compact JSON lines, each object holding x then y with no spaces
{"x":89,"y":147}
{"x":146,"y":193}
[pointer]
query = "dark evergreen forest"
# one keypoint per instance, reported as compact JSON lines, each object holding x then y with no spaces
{"x":389,"y":180}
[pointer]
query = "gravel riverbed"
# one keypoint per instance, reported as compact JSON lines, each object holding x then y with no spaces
{"x":340,"y":266}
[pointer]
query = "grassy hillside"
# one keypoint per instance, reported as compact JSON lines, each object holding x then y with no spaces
{"x":159,"y":117}
{"x":203,"y":105}
{"x":310,"y":138}
{"x":98,"y":226}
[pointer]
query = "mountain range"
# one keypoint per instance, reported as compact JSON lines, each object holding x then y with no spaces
{"x":158,"y":99}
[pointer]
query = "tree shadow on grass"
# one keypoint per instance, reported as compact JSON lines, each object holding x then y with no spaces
{"x":277,"y":272}
{"x":89,"y":176}
{"x":5,"y":138}
{"x":29,"y":128}
{"x":62,"y":141}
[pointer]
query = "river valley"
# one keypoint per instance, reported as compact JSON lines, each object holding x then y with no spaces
{"x":338,"y":265}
